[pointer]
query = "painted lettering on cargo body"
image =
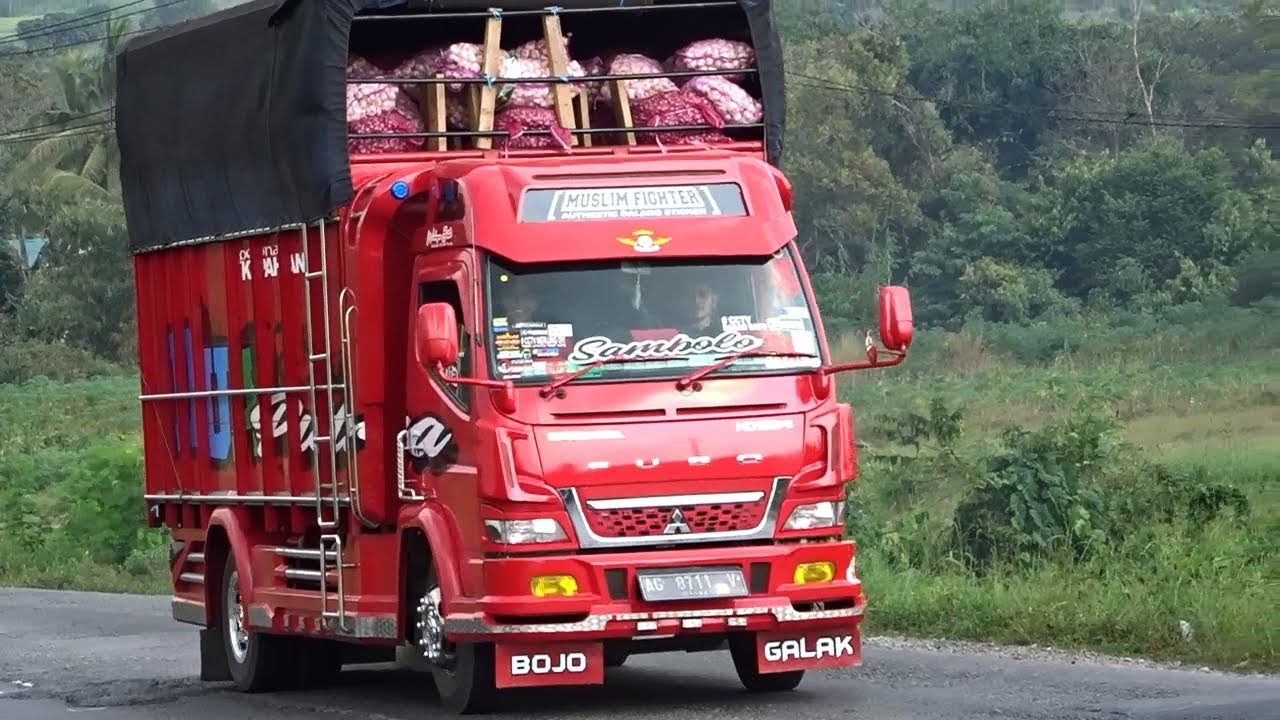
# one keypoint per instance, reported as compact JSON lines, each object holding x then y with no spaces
{"x":221,"y":409}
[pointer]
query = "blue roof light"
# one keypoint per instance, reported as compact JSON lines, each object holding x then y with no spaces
{"x":399,"y":189}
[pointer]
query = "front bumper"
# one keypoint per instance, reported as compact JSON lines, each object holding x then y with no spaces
{"x":609,"y":605}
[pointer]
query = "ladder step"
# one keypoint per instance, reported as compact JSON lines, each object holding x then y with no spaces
{"x":317,"y":357}
{"x":304,"y":553}
{"x":309,"y":275}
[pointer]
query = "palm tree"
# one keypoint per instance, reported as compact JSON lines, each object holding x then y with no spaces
{"x":77,"y":157}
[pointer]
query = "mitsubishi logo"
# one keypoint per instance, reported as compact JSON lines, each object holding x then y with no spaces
{"x":677,"y":525}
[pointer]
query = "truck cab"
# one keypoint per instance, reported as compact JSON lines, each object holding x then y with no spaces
{"x":622,"y":399}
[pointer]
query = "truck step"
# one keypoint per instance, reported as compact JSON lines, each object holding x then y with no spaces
{"x":190,"y":577}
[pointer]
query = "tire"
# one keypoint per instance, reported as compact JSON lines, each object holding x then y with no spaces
{"x":318,"y":662}
{"x":742,"y":648}
{"x":259,"y":662}
{"x":615,"y":655}
{"x":464,"y":678}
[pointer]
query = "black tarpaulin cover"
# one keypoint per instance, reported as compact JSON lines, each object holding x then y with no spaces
{"x":236,"y":121}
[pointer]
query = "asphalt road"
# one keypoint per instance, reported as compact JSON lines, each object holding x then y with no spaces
{"x":117,"y":657}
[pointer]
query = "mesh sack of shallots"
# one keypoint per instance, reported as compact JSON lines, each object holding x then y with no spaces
{"x":360,"y":69}
{"x":461,"y":60}
{"x":533,"y":94}
{"x":640,"y":89}
{"x":675,"y":108}
{"x":590,"y":67}
{"x":520,"y":120}
{"x":382,"y":108}
{"x":733,"y":103}
{"x":419,"y":66}
{"x":538,"y":49}
{"x":714,"y":54}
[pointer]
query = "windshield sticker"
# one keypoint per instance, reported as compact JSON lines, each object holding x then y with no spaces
{"x":500,"y":323}
{"x":778,"y":323}
{"x":803,"y":341}
{"x":600,"y":346}
{"x":793,"y":311}
{"x":621,"y":203}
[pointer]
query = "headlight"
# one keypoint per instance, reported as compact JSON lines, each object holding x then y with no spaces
{"x":815,"y":515}
{"x":520,"y":532}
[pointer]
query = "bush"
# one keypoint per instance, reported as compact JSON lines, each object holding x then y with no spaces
{"x":25,"y":360}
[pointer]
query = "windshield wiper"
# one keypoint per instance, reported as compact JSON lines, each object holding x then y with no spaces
{"x":557,"y":382}
{"x":705,"y":370}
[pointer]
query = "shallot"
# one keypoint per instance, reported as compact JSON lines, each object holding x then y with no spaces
{"x":732,"y":102}
{"x":419,"y":66}
{"x":382,"y":108}
{"x":639,"y":89}
{"x":533,"y":94}
{"x":714,"y":54}
{"x":678,"y":107}
{"x":461,"y":60}
{"x":519,"y":120}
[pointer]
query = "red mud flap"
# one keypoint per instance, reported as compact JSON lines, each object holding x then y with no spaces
{"x":549,"y":664}
{"x":816,"y":649}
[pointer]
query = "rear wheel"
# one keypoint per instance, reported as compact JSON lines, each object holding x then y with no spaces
{"x":258,"y":662}
{"x":463,"y":672}
{"x":746,"y":660}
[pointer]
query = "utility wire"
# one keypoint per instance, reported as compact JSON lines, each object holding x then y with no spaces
{"x":77,"y":22}
{"x":74,"y":131}
{"x":1097,"y":117}
{"x":89,"y":41}
{"x":55,"y":123}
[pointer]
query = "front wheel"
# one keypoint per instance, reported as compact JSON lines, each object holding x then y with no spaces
{"x":746,"y":661}
{"x":463,"y":672}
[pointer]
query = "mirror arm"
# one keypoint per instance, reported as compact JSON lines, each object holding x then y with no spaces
{"x":874,"y":361}
{"x":506,"y":394}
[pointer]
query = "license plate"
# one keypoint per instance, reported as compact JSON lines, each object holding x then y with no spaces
{"x":691,"y":584}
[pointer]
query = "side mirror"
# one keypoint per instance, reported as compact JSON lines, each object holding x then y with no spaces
{"x":895,"y":318}
{"x":436,"y":335}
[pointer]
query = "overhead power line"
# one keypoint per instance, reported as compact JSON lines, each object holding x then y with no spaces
{"x":77,"y":24}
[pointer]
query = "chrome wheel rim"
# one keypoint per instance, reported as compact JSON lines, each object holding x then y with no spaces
{"x":237,"y":635}
{"x":431,"y":631}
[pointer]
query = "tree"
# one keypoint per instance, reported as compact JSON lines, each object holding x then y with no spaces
{"x":78,"y":158}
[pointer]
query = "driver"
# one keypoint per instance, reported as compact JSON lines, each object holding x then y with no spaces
{"x":699,"y":309}
{"x":517,"y":300}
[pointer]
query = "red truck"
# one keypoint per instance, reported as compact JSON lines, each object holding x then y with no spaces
{"x":523,"y":410}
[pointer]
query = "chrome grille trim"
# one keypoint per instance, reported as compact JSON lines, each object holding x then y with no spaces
{"x":587,"y":539}
{"x":642,"y":503}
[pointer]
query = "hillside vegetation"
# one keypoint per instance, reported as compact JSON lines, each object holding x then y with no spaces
{"x":1081,"y":197}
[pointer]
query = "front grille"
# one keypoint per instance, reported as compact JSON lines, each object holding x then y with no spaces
{"x":701,"y":518}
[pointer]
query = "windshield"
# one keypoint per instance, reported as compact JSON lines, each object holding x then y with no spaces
{"x":548,"y":319}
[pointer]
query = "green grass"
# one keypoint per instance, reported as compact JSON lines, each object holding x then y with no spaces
{"x":1211,"y":417}
{"x":1199,"y":427}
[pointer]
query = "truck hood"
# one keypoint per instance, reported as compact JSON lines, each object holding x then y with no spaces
{"x":650,"y":455}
